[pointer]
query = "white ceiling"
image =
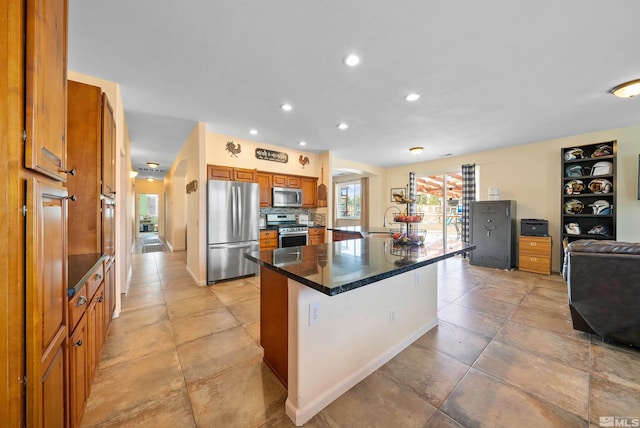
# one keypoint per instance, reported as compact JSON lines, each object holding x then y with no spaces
{"x":492,"y":73}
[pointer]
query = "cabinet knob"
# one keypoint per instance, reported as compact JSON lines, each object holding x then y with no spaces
{"x":98,"y":277}
{"x":100,"y":299}
{"x":78,"y":343}
{"x":71,"y":171}
{"x":72,"y":198}
{"x":81,"y":301}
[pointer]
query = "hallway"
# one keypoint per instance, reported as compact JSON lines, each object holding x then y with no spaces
{"x":504,"y":354}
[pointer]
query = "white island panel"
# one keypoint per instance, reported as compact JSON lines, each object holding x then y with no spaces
{"x":355,"y":334}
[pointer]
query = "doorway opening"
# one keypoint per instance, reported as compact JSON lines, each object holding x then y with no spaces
{"x":439,"y":199}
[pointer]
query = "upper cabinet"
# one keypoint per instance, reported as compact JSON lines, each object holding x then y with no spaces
{"x":108,"y":129}
{"x":219,"y":172}
{"x":90,"y":152}
{"x":264,"y":180}
{"x":45,"y":87}
{"x":309,"y":187}
{"x":287,"y":181}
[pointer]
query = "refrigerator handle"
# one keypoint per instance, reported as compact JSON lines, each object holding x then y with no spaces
{"x":234,"y":214}
{"x":239,"y":199}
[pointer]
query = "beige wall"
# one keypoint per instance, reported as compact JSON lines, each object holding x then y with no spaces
{"x":218,"y":155}
{"x":155,"y":187}
{"x":531,"y":175}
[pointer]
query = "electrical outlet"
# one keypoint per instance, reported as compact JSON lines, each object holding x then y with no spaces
{"x":392,"y":316}
{"x":314,"y":313}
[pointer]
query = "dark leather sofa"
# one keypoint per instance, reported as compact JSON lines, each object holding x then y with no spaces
{"x":603,"y":280}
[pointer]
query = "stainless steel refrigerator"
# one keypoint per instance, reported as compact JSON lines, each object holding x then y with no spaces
{"x":233,"y":212}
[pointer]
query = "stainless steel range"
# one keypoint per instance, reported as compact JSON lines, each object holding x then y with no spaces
{"x":290,"y":234}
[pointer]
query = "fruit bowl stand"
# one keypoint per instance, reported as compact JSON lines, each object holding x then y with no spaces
{"x":408,"y":232}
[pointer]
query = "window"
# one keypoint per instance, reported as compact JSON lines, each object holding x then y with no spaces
{"x":152,"y":201}
{"x":349,"y":200}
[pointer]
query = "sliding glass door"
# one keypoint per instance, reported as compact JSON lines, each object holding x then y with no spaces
{"x":439,"y":199}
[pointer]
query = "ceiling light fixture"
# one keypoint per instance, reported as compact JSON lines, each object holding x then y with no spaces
{"x":414,"y":96}
{"x":416,"y":150}
{"x":342,"y":126}
{"x":302,"y":143}
{"x":150,"y":179}
{"x":627,"y":90}
{"x":286,"y":107}
{"x":253,"y":132}
{"x":352,"y":60}
{"x":153,"y":164}
{"x":133,"y":174}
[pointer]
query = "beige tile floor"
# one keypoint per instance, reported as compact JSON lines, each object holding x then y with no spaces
{"x":504,"y":354}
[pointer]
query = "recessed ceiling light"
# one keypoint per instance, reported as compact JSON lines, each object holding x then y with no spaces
{"x":416,"y":150}
{"x":150,"y":179}
{"x":253,"y":132}
{"x":627,"y":90}
{"x":414,"y":96}
{"x":342,"y":126}
{"x":286,"y":107}
{"x":153,"y":164}
{"x":352,"y":60}
{"x":302,"y":143}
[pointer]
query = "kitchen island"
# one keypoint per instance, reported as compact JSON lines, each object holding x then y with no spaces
{"x":331,"y":314}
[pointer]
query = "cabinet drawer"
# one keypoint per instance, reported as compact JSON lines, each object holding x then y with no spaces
{"x":77,"y":306}
{"x":316,"y":231}
{"x":535,"y":245}
{"x":94,"y":281}
{"x":534,"y":264}
{"x":266,"y":244}
{"x":268,"y":234}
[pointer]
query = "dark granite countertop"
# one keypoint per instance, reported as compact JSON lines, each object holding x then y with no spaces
{"x":81,"y":267}
{"x":368,"y":230}
{"x":346,"y":265}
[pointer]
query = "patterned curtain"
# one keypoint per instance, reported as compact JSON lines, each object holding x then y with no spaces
{"x":468,"y":195}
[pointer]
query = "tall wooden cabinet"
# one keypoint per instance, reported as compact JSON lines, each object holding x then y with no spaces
{"x":46,"y":310}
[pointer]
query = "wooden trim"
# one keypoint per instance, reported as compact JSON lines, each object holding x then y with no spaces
{"x":12,"y":399}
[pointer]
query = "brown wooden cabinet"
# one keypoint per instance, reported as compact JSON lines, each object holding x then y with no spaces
{"x":46,"y":86}
{"x":268,"y":239}
{"x":534,"y":254}
{"x":219,"y":172}
{"x":108,"y":148}
{"x":316,"y":235}
{"x":293,"y":181}
{"x":95,"y":330}
{"x":309,"y":187}
{"x":265,"y":182}
{"x":339,"y":235}
{"x":46,"y":319}
{"x":78,"y":371}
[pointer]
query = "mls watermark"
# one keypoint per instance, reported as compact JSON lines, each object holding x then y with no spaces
{"x":619,"y":421}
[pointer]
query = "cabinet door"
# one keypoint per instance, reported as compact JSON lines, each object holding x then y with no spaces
{"x":293,"y":181}
{"x":46,"y":304}
{"x":109,"y":295}
{"x":309,"y":192}
{"x":216,"y":172}
{"x":108,"y":227}
{"x":95,"y":331}
{"x":78,"y":366}
{"x":108,"y":149}
{"x":264,"y":180}
{"x":84,"y":156}
{"x":280,"y":180}
{"x":46,"y":87}
{"x":247,"y":175}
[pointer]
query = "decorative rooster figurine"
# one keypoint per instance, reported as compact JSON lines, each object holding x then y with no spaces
{"x":303,"y":161}
{"x":233,"y":149}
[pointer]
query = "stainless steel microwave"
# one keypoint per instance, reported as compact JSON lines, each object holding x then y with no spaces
{"x":287,"y":197}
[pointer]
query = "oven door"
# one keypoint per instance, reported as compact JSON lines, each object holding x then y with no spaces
{"x":292,"y":240}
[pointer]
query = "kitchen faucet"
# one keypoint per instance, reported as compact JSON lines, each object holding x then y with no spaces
{"x":384,"y":220}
